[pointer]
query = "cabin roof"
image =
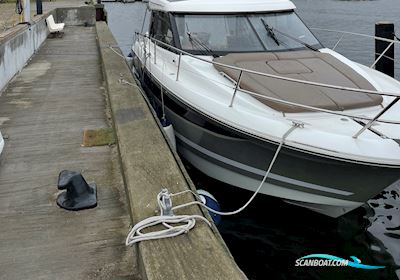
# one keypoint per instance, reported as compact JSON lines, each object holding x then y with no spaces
{"x":221,"y":6}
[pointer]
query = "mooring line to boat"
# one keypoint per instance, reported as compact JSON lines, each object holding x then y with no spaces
{"x":385,"y":56}
{"x":292,"y":128}
{"x":112,"y":47}
{"x":184,"y":223}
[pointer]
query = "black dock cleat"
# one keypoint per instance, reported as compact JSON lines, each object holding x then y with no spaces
{"x":79,"y":194}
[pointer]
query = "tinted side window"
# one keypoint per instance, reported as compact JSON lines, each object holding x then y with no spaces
{"x":161,"y":28}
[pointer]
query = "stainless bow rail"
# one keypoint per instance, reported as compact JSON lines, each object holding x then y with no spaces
{"x":358,"y":118}
{"x":345,"y":33}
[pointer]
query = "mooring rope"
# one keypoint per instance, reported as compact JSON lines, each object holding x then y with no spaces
{"x":117,"y":53}
{"x":184,"y":223}
{"x":295,"y":125}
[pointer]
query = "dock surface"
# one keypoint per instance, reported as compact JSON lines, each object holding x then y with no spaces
{"x":43,"y":113}
{"x":70,"y":85}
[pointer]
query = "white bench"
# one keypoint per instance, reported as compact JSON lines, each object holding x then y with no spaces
{"x":54,"y":27}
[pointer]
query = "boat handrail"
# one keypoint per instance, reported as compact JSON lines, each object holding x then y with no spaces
{"x":357,"y":34}
{"x":374,"y":92}
{"x":380,"y":55}
{"x":316,"y":109}
{"x":307,"y":107}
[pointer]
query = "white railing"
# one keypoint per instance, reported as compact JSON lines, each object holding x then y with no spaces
{"x":345,"y":33}
{"x":370,"y":121}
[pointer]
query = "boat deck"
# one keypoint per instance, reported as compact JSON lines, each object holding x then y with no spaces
{"x":43,"y":113}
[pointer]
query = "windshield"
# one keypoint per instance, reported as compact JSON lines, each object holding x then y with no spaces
{"x":243,"y":33}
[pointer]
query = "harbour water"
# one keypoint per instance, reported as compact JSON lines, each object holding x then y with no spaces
{"x":270,"y":235}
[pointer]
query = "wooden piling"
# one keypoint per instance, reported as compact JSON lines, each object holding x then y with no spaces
{"x":101,"y":14}
{"x":39,"y":7}
{"x":386,"y":62}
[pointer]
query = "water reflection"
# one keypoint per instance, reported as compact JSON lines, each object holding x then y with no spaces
{"x":270,"y":235}
{"x":385,"y":221}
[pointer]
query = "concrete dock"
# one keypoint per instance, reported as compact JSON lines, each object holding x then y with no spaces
{"x":71,"y":84}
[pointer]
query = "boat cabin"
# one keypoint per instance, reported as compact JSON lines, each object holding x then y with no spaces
{"x":266,"y":36}
{"x":217,"y":28}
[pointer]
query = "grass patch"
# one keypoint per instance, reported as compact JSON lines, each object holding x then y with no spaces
{"x":98,"y":137}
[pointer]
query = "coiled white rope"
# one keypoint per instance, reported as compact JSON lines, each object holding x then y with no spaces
{"x":175,"y":225}
{"x":183,"y":223}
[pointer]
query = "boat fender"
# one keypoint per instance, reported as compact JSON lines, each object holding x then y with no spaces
{"x":210,"y":201}
{"x":169,"y":130}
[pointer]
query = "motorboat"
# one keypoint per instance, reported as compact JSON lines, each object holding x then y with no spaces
{"x":234,"y":76}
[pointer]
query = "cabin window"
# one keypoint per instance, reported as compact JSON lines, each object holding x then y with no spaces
{"x":161,"y":28}
{"x":219,"y":34}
